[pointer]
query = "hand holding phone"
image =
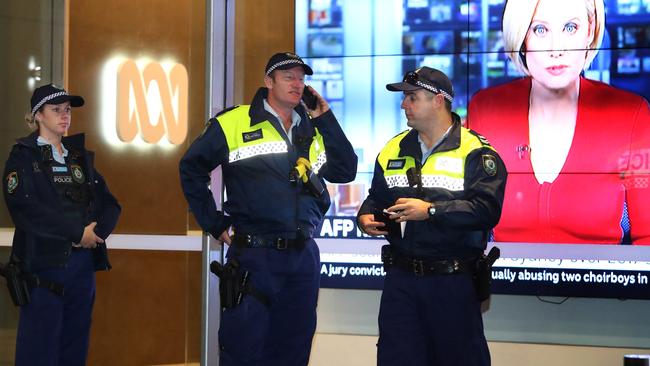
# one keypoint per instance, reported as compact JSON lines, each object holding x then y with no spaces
{"x":310,"y":99}
{"x":392,"y":227}
{"x":389,"y":212}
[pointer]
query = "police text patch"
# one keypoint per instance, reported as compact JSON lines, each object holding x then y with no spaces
{"x":490,"y":165}
{"x":62,"y":179}
{"x":252,"y":136}
{"x":12,"y":182}
{"x":396,"y":164}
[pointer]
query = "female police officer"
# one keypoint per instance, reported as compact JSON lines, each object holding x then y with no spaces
{"x":63,"y":211}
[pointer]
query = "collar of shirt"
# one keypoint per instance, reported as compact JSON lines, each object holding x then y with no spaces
{"x":425,"y":150}
{"x":59,"y":158}
{"x":295,"y":119}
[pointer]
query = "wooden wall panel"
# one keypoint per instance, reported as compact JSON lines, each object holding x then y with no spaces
{"x":145,"y":181}
{"x":147,"y":309}
{"x":262,"y":28}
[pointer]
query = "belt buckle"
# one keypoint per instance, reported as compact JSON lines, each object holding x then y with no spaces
{"x":281,"y":243}
{"x":418,"y":267}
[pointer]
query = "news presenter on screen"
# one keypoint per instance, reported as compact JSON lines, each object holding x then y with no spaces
{"x":576,"y":149}
{"x":63,"y":212}
{"x":273,"y":214}
{"x":445,"y":184}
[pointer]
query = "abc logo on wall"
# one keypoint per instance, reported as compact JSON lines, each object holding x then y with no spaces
{"x":145,"y":101}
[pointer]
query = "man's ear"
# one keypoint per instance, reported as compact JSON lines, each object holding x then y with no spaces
{"x":440,"y":100}
{"x":268,"y":82}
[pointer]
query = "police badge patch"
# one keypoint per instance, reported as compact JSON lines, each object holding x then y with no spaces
{"x":12,"y":182}
{"x":77,"y":174}
{"x":490,"y":165}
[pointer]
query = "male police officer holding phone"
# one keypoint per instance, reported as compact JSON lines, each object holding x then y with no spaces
{"x":437,"y":190}
{"x":274,"y":154}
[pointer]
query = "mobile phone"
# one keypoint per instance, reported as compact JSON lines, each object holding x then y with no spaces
{"x":311,"y":101}
{"x":392,"y":227}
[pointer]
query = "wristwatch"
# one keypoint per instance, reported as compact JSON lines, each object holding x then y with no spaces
{"x":432,"y":210}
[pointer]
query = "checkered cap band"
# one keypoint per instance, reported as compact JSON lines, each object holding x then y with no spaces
{"x":435,"y":90}
{"x":45,"y":100}
{"x":282,"y":63}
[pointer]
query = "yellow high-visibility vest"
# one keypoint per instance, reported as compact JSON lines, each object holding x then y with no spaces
{"x":444,"y":169}
{"x":246,"y":141}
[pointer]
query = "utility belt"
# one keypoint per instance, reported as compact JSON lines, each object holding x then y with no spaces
{"x":421,"y":267}
{"x":234,"y":283}
{"x":480,"y":268}
{"x":256,"y":241}
{"x":19,"y":284}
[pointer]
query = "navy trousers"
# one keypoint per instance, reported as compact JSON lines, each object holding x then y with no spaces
{"x":54,"y":330}
{"x":433,"y":320}
{"x":253,"y":333}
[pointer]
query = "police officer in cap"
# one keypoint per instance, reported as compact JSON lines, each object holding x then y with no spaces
{"x":63,"y":212}
{"x":436,"y":193}
{"x":275,"y":154}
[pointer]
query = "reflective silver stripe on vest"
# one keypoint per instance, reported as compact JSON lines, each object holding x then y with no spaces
{"x":276,"y":147}
{"x":320,"y":161}
{"x":441,"y":181}
{"x":428,"y":181}
{"x":397,"y":181}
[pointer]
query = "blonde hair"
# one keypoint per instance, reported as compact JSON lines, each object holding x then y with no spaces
{"x":31,"y":121}
{"x":517,"y":16}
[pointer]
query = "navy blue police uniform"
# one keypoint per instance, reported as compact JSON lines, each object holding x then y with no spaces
{"x":273,"y":218}
{"x":429,"y":311}
{"x":50,"y":204}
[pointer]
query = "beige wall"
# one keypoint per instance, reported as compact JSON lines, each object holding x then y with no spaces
{"x":348,"y":350}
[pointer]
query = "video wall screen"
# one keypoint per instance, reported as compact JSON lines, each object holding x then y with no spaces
{"x":576,"y":218}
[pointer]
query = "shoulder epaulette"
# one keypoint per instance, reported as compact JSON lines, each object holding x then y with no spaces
{"x":481,"y":138}
{"x":226,"y":110}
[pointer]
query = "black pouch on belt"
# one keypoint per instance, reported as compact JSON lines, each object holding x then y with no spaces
{"x":16,"y":284}
{"x":483,"y":274}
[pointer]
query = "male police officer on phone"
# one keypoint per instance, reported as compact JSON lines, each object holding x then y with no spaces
{"x":274,"y":154}
{"x":437,"y":190}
